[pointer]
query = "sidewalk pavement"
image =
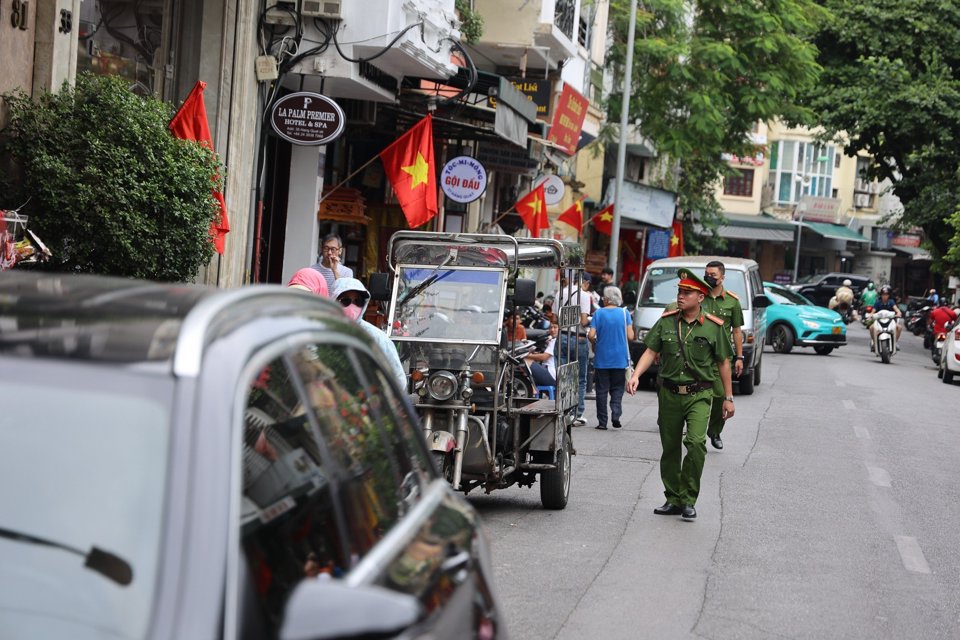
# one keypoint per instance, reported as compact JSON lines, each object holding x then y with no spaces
{"x":609,"y":608}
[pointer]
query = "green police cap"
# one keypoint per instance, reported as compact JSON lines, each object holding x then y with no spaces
{"x":690,"y":280}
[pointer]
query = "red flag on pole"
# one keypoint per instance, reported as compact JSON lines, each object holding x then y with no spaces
{"x":573,"y":216}
{"x":603,"y":220}
{"x":533,"y":209}
{"x":676,"y":239}
{"x":190,"y":123}
{"x":411,"y":170}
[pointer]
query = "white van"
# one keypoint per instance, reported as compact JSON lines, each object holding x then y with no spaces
{"x":659,"y":288}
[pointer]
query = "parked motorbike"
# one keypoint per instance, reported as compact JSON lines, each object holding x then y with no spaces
{"x":885,"y":335}
{"x":534,"y":318}
{"x":916,"y":320}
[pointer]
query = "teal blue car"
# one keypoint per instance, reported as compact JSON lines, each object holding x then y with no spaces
{"x":794,"y":321}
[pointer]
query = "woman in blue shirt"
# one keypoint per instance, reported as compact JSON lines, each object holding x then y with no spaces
{"x":610,"y":330}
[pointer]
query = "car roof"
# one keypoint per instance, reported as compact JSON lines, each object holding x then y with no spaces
{"x":701,"y":261}
{"x":107,"y":319}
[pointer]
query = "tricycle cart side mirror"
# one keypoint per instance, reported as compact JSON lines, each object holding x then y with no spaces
{"x":524,"y":292}
{"x":380,"y":286}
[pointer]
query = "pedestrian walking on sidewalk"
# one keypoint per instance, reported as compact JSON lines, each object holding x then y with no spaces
{"x":694,"y":349}
{"x":610,"y":333}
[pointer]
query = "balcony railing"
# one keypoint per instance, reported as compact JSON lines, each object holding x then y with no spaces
{"x":563,"y":18}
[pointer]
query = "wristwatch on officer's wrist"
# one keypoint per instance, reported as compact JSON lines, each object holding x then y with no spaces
{"x":739,"y":357}
{"x":729,"y":398}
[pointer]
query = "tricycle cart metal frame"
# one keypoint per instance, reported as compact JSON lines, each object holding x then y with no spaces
{"x":482,"y":419}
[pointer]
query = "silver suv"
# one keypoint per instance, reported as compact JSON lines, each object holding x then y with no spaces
{"x":659,"y":288}
{"x":189,"y":462}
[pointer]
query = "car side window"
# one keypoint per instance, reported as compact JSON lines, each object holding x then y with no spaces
{"x":359,"y":421}
{"x":289,"y":524}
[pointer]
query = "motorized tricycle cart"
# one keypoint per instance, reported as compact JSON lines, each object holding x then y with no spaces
{"x":483,"y":418}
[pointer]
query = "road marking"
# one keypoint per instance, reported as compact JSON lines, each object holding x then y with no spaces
{"x":848,"y":404}
{"x":878,"y":476}
{"x":912,"y":555}
{"x":861,"y":432}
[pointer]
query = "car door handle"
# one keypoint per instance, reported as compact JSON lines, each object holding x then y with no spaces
{"x":456,"y":562}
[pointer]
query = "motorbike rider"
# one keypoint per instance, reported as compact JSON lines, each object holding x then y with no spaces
{"x":869,"y":296}
{"x":885,"y":303}
{"x":843,"y":298}
{"x":939,"y":318}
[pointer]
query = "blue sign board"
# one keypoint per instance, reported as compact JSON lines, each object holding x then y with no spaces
{"x":658,"y":243}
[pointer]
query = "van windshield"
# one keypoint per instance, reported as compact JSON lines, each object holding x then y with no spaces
{"x":660,"y":286}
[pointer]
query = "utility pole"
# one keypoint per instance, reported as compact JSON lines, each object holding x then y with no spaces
{"x":622,"y":147}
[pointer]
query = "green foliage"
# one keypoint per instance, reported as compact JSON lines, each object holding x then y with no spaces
{"x":112,"y":191}
{"x":471,"y":22}
{"x":891,"y":87}
{"x":706,"y":71}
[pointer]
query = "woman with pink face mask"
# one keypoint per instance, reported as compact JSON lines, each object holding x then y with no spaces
{"x":354,"y":297}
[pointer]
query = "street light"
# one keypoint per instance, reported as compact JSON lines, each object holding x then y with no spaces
{"x":804,"y":178}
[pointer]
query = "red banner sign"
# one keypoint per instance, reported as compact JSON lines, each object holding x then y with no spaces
{"x":568,"y":119}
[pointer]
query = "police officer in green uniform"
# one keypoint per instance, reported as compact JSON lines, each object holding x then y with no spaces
{"x":725,"y":305}
{"x":694,"y":350}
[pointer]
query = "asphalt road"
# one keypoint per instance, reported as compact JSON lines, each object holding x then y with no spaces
{"x":830,"y":513}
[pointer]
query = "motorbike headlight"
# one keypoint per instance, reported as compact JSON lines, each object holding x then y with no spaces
{"x":810,"y":324}
{"x":442,"y":385}
{"x":641,"y":334}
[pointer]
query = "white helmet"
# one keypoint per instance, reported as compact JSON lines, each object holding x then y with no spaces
{"x":847,"y":283}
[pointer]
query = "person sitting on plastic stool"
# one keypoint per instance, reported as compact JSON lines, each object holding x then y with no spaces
{"x":543,"y":366}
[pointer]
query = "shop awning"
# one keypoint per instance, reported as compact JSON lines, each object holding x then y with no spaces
{"x":915,"y":253}
{"x":835,"y":231}
{"x":749,"y":227}
{"x":644,"y":204}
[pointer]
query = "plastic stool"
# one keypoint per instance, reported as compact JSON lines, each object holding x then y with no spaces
{"x":550,"y":391}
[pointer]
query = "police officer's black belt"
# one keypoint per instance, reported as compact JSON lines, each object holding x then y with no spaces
{"x":684,"y":389}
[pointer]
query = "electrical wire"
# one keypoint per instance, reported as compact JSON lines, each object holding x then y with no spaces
{"x":379,"y":53}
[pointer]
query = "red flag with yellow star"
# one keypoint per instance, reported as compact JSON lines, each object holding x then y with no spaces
{"x":533,"y":209}
{"x":676,"y":240}
{"x":603,"y":220}
{"x":573,"y":216}
{"x":410,"y":168}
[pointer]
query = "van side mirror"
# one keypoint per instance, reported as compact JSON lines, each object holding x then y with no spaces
{"x":380,"y":286}
{"x":319,"y":609}
{"x":761,"y":301}
{"x":524,"y":292}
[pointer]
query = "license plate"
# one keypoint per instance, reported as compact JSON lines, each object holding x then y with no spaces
{"x":837,"y":330}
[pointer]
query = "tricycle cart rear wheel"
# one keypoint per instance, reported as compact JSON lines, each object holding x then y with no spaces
{"x":555,"y":484}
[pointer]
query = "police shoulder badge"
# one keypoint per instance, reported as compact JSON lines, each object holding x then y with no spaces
{"x":714,"y":318}
{"x":732,"y":294}
{"x":670,"y":313}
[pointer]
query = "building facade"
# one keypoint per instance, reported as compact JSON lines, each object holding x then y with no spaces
{"x":798,"y":184}
{"x":386,"y":63}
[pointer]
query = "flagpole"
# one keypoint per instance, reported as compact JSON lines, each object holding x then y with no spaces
{"x":622,"y":148}
{"x":366,"y":164}
{"x":347,"y":179}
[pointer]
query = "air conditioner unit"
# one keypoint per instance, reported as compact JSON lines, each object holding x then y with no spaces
{"x":321,"y":9}
{"x":861,"y":200}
